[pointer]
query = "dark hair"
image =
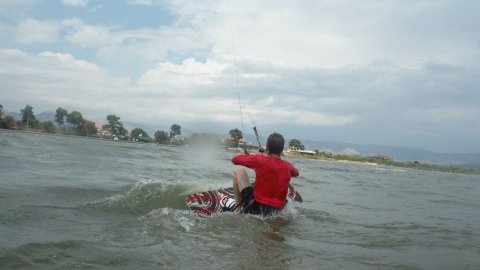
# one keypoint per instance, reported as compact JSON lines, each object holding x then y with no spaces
{"x":275,"y":143}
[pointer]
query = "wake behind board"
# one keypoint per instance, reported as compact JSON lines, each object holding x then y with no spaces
{"x":223,"y":200}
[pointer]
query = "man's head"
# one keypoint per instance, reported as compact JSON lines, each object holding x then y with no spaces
{"x":275,"y":143}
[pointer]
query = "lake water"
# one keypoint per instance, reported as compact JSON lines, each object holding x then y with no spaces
{"x":74,"y":203}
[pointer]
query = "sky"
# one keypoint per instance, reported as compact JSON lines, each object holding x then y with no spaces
{"x":402,"y":73}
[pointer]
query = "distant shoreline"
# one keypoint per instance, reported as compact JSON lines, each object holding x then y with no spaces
{"x":427,"y":167}
{"x":55,"y":134}
{"x":78,"y":137}
{"x":371,"y":162}
{"x":390,"y":163}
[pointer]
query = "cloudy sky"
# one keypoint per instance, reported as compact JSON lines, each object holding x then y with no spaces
{"x":402,"y":73}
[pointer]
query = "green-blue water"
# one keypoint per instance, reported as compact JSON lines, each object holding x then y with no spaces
{"x":73,"y":203}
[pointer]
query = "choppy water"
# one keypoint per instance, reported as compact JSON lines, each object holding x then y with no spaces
{"x":70,"y":203}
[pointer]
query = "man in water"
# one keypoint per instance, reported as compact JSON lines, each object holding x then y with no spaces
{"x":272,"y":178}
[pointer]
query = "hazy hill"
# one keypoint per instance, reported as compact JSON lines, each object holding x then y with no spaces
{"x":14,"y":115}
{"x":42,"y":117}
{"x":46,"y":116}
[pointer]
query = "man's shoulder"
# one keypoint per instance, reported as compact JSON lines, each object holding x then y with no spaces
{"x":287,"y":163}
{"x":249,"y":158}
{"x":281,"y":161}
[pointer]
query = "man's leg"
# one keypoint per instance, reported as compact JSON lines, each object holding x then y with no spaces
{"x":240,"y":181}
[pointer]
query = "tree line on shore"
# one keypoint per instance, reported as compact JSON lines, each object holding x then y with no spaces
{"x":73,"y":123}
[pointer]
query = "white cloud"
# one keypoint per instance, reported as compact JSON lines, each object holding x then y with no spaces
{"x":75,"y":3}
{"x":187,"y":77}
{"x":149,"y":45}
{"x":57,"y":79}
{"x":81,"y":34}
{"x":90,"y":36}
{"x":7,"y":6}
{"x":282,"y":34}
{"x":140,"y":2}
{"x":33,"y":31}
{"x":73,"y":31}
{"x":111,"y":43}
{"x":335,"y":34}
{"x":68,"y":61}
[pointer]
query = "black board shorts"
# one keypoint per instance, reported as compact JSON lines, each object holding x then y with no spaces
{"x":250,"y":206}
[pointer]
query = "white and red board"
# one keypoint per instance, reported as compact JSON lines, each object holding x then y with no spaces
{"x":222,"y":200}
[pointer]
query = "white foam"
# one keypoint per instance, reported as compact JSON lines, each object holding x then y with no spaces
{"x":186,"y":223}
{"x":202,"y":186}
{"x":184,"y":218}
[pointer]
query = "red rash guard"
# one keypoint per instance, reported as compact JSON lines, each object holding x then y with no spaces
{"x":272,"y":178}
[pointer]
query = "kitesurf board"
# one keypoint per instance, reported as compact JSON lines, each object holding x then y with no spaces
{"x":223,"y":200}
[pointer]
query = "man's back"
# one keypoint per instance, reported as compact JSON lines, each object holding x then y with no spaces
{"x":272,"y":178}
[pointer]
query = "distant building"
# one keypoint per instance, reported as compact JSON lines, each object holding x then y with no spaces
{"x":306,"y":152}
{"x":295,"y":150}
{"x":292,"y":149}
{"x":177,"y":139}
{"x":105,"y":133}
